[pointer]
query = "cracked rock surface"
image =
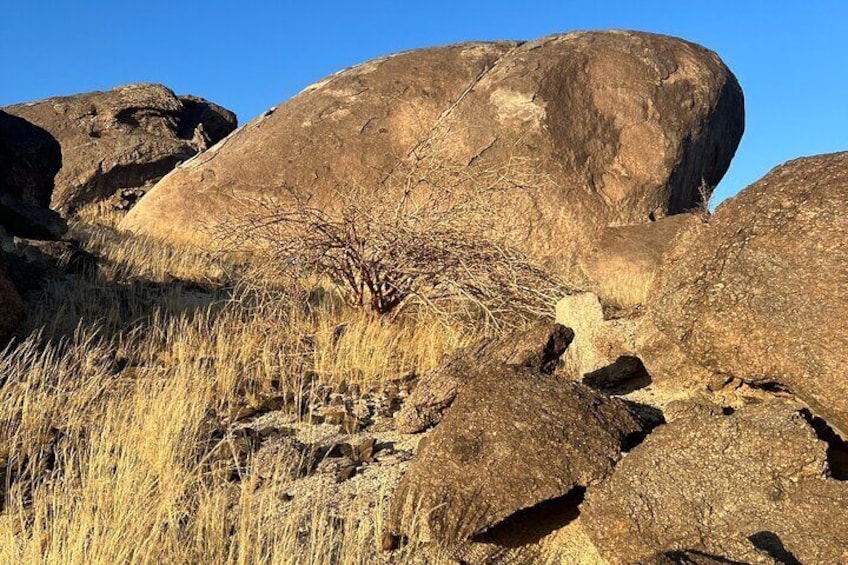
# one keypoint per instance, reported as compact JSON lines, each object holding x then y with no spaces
{"x":538,"y":346}
{"x":749,"y":486}
{"x":760,"y":294}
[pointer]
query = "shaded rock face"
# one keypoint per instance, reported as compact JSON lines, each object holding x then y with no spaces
{"x":514,"y":438}
{"x":123,"y":137}
{"x":29,"y":159}
{"x":539,"y":346}
{"x":565,"y":121}
{"x":750,"y":486}
{"x":11,"y":305}
{"x":760,"y":294}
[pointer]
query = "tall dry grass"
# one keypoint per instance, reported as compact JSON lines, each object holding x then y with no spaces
{"x":107,"y":395}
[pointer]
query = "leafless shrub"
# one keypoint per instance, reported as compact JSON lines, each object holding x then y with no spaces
{"x":428,"y":237}
{"x":705,"y":194}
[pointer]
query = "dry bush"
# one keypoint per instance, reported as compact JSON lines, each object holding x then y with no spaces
{"x":430,"y":237}
{"x":705,"y":196}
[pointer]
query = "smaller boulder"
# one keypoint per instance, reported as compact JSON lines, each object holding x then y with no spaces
{"x":598,"y":341}
{"x":513,"y":439}
{"x":123,"y":138}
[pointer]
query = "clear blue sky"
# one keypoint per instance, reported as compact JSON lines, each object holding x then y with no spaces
{"x":790,"y":57}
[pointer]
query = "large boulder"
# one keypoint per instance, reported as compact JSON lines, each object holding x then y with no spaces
{"x":578,"y":132}
{"x":122,"y":138}
{"x":514,"y":438}
{"x":760,"y":293}
{"x":748,"y":485}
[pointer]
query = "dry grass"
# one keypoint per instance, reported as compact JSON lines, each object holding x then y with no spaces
{"x":107,"y":396}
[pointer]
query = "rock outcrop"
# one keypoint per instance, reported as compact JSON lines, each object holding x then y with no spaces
{"x":514,"y":438}
{"x":748,"y":486}
{"x":122,"y":138}
{"x":760,"y":293}
{"x":579,"y":131}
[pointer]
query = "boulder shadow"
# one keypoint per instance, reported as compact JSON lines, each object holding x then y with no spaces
{"x":837,"y":448}
{"x":771,"y":544}
{"x":625,"y":375}
{"x":529,"y":525}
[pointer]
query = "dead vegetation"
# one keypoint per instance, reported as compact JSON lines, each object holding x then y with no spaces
{"x":429,"y":237}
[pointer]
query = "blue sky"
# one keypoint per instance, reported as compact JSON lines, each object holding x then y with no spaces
{"x":790,"y":57}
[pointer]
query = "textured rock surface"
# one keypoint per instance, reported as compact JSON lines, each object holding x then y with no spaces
{"x":122,"y":138}
{"x":513,"y":438}
{"x":583,"y":130}
{"x":539,"y":346}
{"x":734,"y":485}
{"x":761,"y":292}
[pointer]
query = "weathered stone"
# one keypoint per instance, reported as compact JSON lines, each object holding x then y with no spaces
{"x":583,"y":130}
{"x":122,"y":138}
{"x":731,"y":484}
{"x":539,"y":346}
{"x":514,"y":438}
{"x":760,"y":293}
